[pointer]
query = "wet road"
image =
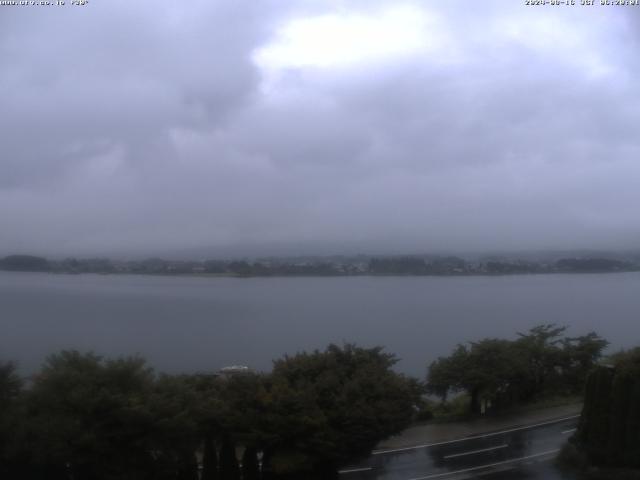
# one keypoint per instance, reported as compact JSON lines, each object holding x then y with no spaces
{"x":519,"y":452}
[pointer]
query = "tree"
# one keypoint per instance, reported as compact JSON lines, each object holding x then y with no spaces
{"x":580,"y":355}
{"x":540,"y":347}
{"x":114,"y":419}
{"x":209,"y":459}
{"x":504,"y":372}
{"x":173,"y":405}
{"x":398,"y":266}
{"x":444,"y":373}
{"x":609,"y":429}
{"x":10,"y":420}
{"x":88,"y":417}
{"x":327,"y":407}
{"x":485,"y":370}
{"x":25,"y":263}
{"x":10,"y":385}
{"x":240,"y":267}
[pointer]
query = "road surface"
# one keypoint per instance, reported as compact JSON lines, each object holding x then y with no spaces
{"x":518,"y":452}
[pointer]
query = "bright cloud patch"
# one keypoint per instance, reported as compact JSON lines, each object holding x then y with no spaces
{"x":338,"y":39}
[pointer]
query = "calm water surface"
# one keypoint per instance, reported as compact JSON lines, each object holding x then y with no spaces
{"x":190,"y":323}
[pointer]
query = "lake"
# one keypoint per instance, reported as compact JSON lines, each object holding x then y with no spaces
{"x":185,"y":324}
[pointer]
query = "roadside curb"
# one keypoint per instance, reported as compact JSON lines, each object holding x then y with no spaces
{"x":466,"y":431}
{"x":475,"y":436}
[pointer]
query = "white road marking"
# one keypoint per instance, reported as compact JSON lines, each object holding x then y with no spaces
{"x":354,"y":470}
{"x":476,"y":451}
{"x":480,"y":467}
{"x":564,"y":432}
{"x":466,"y":439}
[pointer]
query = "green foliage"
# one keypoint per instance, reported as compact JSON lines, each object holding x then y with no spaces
{"x":110,"y":419}
{"x":593,"y":431}
{"x":425,"y":413}
{"x":335,"y":405}
{"x":10,"y":391}
{"x":609,"y":431}
{"x":454,"y":408}
{"x":242,"y":406}
{"x":580,"y":354}
{"x":482,"y":369}
{"x":592,"y":265}
{"x":88,"y":418}
{"x":10,"y":385}
{"x":398,"y":266}
{"x":24,"y":263}
{"x":501,"y":373}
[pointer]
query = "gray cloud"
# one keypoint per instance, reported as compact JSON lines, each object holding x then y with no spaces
{"x":148,"y":128}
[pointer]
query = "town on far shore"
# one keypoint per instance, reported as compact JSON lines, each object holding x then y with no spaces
{"x":338,"y":265}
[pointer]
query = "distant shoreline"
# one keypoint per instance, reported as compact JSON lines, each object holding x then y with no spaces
{"x":337,"y":275}
{"x":396,"y":266}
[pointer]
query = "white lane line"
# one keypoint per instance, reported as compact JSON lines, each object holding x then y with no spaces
{"x":354,"y":470}
{"x":564,"y":432}
{"x":465,"y":439}
{"x":480,"y":467}
{"x":475,"y":451}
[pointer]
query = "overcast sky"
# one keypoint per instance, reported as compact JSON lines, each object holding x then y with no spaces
{"x":316,"y":126}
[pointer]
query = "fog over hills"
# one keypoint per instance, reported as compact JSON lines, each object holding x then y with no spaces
{"x":233,"y":128}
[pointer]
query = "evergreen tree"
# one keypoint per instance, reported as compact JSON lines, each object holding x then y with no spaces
{"x":609,"y":430}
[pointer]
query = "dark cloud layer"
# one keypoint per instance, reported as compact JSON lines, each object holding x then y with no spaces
{"x":146,"y":127}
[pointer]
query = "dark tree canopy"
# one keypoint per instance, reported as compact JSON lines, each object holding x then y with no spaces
{"x":90,"y":418}
{"x":336,"y":404}
{"x":24,"y":263}
{"x":609,"y":429}
{"x":497,"y":373}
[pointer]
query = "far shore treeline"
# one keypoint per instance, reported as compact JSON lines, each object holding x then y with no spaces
{"x":83,"y":416}
{"x":327,"y":266}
